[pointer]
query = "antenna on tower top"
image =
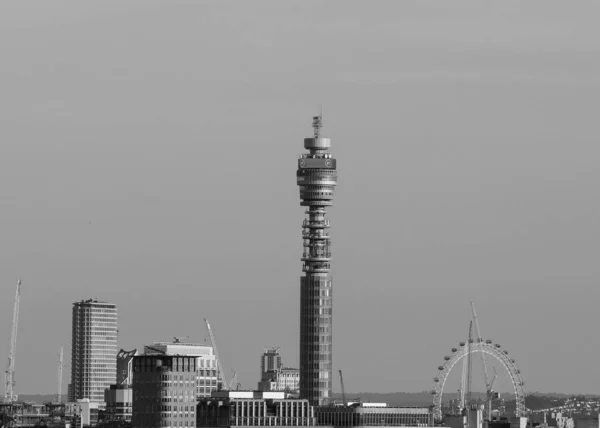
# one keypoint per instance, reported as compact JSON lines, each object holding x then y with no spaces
{"x":318,"y":123}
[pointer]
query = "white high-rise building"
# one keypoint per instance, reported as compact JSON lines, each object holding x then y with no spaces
{"x":94,"y":350}
{"x":207,"y":378}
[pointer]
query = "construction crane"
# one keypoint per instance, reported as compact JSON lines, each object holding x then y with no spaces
{"x":343,"y":389}
{"x":463,"y":384}
{"x":489,"y":393}
{"x":9,"y":393}
{"x":233,"y":383}
{"x":479,"y":339}
{"x":60,"y":376}
{"x":469,"y":371}
{"x":224,"y":385}
{"x":158,"y":351}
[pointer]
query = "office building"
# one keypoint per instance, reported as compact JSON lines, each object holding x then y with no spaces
{"x":316,"y":178}
{"x":94,"y":350}
{"x":253,"y":408}
{"x":275,"y":377}
{"x":118,"y":397}
{"x":374,"y":414}
{"x":164,"y":391}
{"x":270,"y":360}
{"x":207,"y":378}
{"x":285,"y":379}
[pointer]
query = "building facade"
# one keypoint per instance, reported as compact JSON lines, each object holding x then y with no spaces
{"x":285,"y":379}
{"x":164,"y":391}
{"x":270,"y":360}
{"x":118,"y":398}
{"x":207,"y":378}
{"x":94,"y":350}
{"x":253,"y":408}
{"x":316,"y":178}
{"x":125,"y":366}
{"x":374,"y":414}
{"x":119,"y":403}
{"x":82,"y":413}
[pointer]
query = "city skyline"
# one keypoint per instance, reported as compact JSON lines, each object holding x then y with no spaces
{"x":152,"y":166}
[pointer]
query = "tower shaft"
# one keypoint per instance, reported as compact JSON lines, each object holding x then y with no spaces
{"x":317,"y":178}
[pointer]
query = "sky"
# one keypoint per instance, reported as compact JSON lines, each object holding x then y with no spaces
{"x":148,"y":158}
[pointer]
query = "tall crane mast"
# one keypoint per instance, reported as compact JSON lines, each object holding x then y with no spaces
{"x":479,"y":339}
{"x":224,"y":385}
{"x":489,"y":392}
{"x":60,"y":376}
{"x":469,"y":369}
{"x":463,"y":383}
{"x":343,"y":389}
{"x":9,"y":394}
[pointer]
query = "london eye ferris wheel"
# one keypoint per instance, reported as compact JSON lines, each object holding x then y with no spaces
{"x":465,"y":352}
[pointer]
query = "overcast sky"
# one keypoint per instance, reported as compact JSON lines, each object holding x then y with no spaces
{"x":148,"y":158}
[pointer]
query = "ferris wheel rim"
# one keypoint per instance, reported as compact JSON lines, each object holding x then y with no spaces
{"x":490,"y":349}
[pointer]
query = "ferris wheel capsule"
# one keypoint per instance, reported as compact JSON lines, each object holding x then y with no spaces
{"x":432,"y":392}
{"x":489,"y":342}
{"x":440,"y":368}
{"x":462,"y":343}
{"x":447,"y":358}
{"x":497,"y":345}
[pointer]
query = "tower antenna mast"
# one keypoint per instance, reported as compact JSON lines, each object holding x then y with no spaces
{"x":60,"y":376}
{"x":9,"y":393}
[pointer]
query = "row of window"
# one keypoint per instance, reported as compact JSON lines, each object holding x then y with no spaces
{"x":174,"y":424}
{"x":166,"y":408}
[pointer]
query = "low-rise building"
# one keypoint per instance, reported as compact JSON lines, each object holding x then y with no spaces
{"x":83,"y":413}
{"x":376,"y":414}
{"x":253,"y":408}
